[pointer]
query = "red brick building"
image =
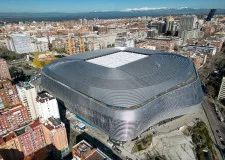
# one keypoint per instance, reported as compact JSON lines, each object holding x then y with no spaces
{"x":8,"y":94}
{"x":162,"y":44}
{"x":209,"y":30}
{"x":12,"y":118}
{"x":37,"y":138}
{"x":10,"y":147}
{"x":4,"y":70}
{"x":55,"y":133}
{"x":31,"y":138}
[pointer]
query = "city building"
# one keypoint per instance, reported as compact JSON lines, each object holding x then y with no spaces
{"x":55,"y":133}
{"x":19,"y":43}
{"x":191,"y":34}
{"x":152,"y":33}
{"x":124,"y":91}
{"x":38,"y":46}
{"x":198,"y":60}
{"x":124,"y":42}
{"x":211,"y":14}
{"x":58,"y":44}
{"x":144,"y":44}
{"x":4,"y":70}
{"x":8,"y":93}
{"x":31,"y":137}
{"x":169,"y":23}
{"x":47,"y":106}
{"x":84,"y":151}
{"x":161,"y":43}
{"x":221,"y":95}
{"x":209,"y":50}
{"x":70,"y":46}
{"x":124,"y":39}
{"x":188,"y":22}
{"x":209,"y":30}
{"x":36,"y":140}
{"x":82,"y":45}
{"x":159,"y":26}
{"x":28,"y":94}
{"x":189,"y":28}
{"x":10,"y":147}
{"x":13,"y":118}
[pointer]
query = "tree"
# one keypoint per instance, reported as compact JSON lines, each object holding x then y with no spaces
{"x":9,"y":55}
{"x":18,"y":75}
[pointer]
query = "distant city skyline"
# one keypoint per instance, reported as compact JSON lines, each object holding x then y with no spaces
{"x":73,"y":6}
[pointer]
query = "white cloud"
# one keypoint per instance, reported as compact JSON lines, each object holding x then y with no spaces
{"x":143,"y":9}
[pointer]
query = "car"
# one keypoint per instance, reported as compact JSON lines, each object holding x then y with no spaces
{"x":115,"y":148}
{"x":217,"y":131}
{"x":222,"y":142}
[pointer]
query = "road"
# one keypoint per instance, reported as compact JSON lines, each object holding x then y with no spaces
{"x":218,"y":127}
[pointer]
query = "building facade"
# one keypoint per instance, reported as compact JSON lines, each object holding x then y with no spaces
{"x":8,"y":93}
{"x":13,"y":118}
{"x":28,"y":94}
{"x":47,"y":106}
{"x":55,"y":133}
{"x":10,"y":147}
{"x":84,"y":151}
{"x":221,"y":95}
{"x":4,"y":70}
{"x":70,"y":46}
{"x":31,"y":137}
{"x":19,"y":43}
{"x":162,"y":44}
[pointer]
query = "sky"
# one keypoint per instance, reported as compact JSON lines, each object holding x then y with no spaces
{"x":73,"y":6}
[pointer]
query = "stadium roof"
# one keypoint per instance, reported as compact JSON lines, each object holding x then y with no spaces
{"x":117,"y":59}
{"x":122,"y":77}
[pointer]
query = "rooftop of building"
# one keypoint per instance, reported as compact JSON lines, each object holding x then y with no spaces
{"x":35,"y":124}
{"x":11,"y":109}
{"x":53,"y":123}
{"x":117,"y":59}
{"x":94,"y":74}
{"x":9,"y":136}
{"x":85,"y":151}
{"x":82,"y":149}
{"x":43,"y":96}
{"x":25,"y":85}
{"x":23,"y":130}
{"x":28,"y":127}
{"x":19,"y":35}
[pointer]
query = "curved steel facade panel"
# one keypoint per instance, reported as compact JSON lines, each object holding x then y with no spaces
{"x":125,"y":101}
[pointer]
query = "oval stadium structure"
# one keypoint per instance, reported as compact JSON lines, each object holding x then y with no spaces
{"x":124,"y":91}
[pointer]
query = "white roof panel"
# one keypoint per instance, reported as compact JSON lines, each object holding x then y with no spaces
{"x":117,"y":59}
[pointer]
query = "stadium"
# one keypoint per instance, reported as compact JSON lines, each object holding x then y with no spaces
{"x":124,"y":91}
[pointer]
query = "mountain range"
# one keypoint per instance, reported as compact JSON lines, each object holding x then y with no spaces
{"x":127,"y":13}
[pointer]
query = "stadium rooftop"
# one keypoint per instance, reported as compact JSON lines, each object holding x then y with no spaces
{"x":117,"y":59}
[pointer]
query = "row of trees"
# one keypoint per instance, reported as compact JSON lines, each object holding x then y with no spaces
{"x":18,"y":75}
{"x":211,"y":79}
{"x":9,"y":55}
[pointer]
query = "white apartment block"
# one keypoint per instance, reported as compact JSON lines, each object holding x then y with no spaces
{"x":19,"y":43}
{"x":27,"y":95}
{"x":39,"y":47}
{"x":222,"y":90}
{"x":47,"y":106}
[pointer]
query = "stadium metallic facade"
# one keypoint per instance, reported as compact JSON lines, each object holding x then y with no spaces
{"x":126,"y":100}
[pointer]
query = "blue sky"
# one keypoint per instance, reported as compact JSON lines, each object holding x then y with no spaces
{"x":100,"y":5}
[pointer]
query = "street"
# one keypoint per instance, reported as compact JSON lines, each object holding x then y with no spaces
{"x":218,"y":127}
